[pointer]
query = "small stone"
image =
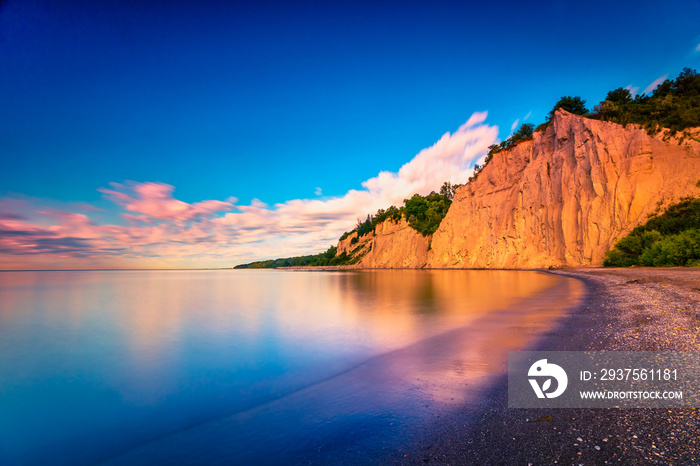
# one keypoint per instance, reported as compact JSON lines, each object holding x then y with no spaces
{"x":597,"y":447}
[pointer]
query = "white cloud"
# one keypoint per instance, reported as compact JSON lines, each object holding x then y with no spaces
{"x":302,"y":226}
{"x":697,"y":49}
{"x":655,"y":83}
{"x":258,"y":204}
{"x":475,"y":119}
{"x":514,"y":125}
{"x":634,"y":90}
{"x":163,"y":231}
{"x":318,"y":191}
{"x":527,"y":117}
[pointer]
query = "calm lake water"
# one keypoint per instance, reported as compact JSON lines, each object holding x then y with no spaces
{"x":251,"y":366}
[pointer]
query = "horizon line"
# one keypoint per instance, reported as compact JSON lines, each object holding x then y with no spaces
{"x":112,"y":270}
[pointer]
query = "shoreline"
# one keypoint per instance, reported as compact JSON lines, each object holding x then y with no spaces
{"x":635,"y":309}
{"x":357,"y":267}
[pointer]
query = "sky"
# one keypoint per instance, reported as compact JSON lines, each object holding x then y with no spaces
{"x":206,"y":134}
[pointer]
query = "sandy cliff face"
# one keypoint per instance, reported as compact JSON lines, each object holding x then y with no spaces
{"x":390,"y":246}
{"x":396,"y":245}
{"x":562,"y":199}
{"x":565,"y":197}
{"x":357,"y":248}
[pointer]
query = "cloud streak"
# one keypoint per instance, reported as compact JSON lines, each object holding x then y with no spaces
{"x":514,"y":125}
{"x":655,"y":83}
{"x":634,"y":90}
{"x":158,"y":230}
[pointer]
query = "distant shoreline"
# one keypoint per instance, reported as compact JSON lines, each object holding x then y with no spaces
{"x":357,"y":267}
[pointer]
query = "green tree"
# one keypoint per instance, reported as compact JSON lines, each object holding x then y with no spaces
{"x":448,"y":190}
{"x":669,"y":239}
{"x":674,"y":104}
{"x":424,"y":213}
{"x":524,"y":132}
{"x":620,"y":95}
{"x":688,"y":82}
{"x":575,"y":105}
{"x":365,"y":227}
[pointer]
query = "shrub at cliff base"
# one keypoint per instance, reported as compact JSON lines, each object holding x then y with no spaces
{"x":670,"y":239}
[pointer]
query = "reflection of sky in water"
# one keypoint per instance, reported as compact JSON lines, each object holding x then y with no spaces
{"x":95,"y":363}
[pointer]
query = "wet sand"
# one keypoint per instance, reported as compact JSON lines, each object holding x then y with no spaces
{"x":635,"y":309}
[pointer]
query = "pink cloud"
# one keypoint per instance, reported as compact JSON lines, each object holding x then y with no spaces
{"x":655,"y":83}
{"x":514,"y":125}
{"x":634,"y":90}
{"x":162,"y":231}
{"x":155,"y":200}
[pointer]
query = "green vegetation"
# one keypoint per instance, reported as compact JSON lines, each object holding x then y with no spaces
{"x":365,"y":227}
{"x":674,"y":104}
{"x":572,"y":104}
{"x":448,"y":189}
{"x":423,"y":213}
{"x":324,"y":259}
{"x":523,"y":133}
{"x":575,"y":105}
{"x":670,"y":239}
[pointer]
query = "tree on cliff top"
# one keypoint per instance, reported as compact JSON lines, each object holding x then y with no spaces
{"x":674,"y":104}
{"x":522,"y":133}
{"x":620,"y":95}
{"x":448,"y":190}
{"x":575,"y":105}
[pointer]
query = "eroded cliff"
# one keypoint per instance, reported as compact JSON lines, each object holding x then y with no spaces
{"x":565,"y":197}
{"x":393,"y":245}
{"x":562,"y":199}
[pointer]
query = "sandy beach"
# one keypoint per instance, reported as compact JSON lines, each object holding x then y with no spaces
{"x":635,"y":309}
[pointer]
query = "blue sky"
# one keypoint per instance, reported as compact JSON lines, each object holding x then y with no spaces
{"x":271,"y":101}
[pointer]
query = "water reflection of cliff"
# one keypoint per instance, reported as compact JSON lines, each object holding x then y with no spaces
{"x":438,"y":338}
{"x":146,"y":353}
{"x":397,"y":305}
